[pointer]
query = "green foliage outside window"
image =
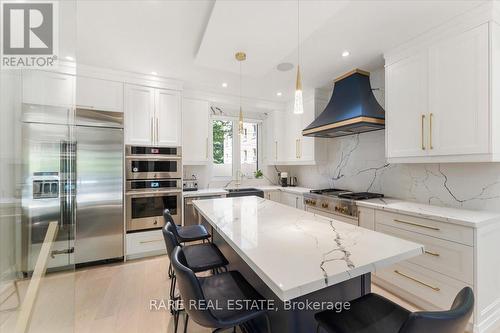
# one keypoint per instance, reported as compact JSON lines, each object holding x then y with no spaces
{"x":221,"y":130}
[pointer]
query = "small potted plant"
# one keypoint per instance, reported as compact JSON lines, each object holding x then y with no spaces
{"x":258,"y":174}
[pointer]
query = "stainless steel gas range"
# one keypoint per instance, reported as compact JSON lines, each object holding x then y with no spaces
{"x":336,"y":203}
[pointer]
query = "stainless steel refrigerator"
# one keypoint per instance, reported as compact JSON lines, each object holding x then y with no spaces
{"x":72,"y":174}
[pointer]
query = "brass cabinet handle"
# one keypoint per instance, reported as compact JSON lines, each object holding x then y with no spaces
{"x":432,"y":253}
{"x":300,"y":149}
{"x":417,"y":281}
{"x":417,"y":225}
{"x":151,"y":241}
{"x":276,"y":150}
{"x":430,"y":131}
{"x":422,"y":131}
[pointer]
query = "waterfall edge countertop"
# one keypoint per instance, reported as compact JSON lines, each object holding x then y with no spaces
{"x":296,"y":252}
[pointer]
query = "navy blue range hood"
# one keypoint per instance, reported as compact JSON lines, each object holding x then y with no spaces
{"x":352,"y":109}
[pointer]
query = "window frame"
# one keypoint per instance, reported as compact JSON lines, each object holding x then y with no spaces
{"x":236,"y":160}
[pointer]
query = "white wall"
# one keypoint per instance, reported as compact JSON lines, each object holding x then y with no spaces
{"x":358,"y":163}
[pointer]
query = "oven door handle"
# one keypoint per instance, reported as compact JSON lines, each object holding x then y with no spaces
{"x":152,"y":193}
{"x":153,"y":158}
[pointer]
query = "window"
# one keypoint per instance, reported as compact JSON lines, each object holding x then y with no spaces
{"x":222,"y":148}
{"x":233,"y":152}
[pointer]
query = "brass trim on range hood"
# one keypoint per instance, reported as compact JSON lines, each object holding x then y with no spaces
{"x":344,"y":123}
{"x":357,"y":70}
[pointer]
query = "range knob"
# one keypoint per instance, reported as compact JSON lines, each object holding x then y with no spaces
{"x":324,"y":205}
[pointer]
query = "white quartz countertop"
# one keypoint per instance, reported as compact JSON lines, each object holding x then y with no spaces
{"x":289,"y":189}
{"x":218,"y":191}
{"x":470,"y":218}
{"x":296,"y":252}
{"x":204,"y":192}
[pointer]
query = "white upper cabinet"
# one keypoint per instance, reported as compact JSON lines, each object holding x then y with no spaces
{"x":285,"y":144}
{"x":458,"y":94}
{"x":406,"y":105}
{"x":438,"y":103}
{"x":152,"y":116}
{"x":99,"y":94}
{"x":47,"y":88}
{"x":139,"y":115}
{"x":168,"y":118}
{"x":195,"y":123}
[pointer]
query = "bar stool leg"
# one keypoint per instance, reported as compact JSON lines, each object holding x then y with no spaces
{"x":186,"y":323}
{"x":268,"y":321}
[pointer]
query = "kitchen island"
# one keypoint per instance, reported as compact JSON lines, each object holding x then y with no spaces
{"x":292,"y":255}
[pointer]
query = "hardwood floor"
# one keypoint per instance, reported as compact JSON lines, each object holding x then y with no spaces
{"x":112,"y":298}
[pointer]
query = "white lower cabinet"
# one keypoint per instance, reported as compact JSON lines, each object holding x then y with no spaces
{"x":143,"y":244}
{"x":435,"y":291}
{"x":273,"y":195}
{"x":290,"y":199}
{"x":456,"y":255}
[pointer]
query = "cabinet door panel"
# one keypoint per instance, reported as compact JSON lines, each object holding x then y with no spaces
{"x":168,"y":118}
{"x":406,"y":100}
{"x":195,"y":124}
{"x":458,"y":94}
{"x":99,"y":94}
{"x":139,"y":114}
{"x":279,"y":136}
{"x":46,"y":88}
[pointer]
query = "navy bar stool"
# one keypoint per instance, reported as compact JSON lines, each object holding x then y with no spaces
{"x":216,"y":289}
{"x":373,"y":313}
{"x":185,"y":234}
{"x":200,"y":257}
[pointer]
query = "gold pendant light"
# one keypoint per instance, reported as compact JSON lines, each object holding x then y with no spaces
{"x":298,"y":107}
{"x":240,"y":56}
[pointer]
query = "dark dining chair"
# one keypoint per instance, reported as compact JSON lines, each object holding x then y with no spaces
{"x":200,"y":257}
{"x":373,"y":313}
{"x":217,"y":289}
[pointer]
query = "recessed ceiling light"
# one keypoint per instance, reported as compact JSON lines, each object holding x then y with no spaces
{"x":279,"y":94}
{"x":154,"y":73}
{"x":224,"y":85}
{"x":345,"y":53}
{"x":69,"y":58}
{"x":284,"y":67}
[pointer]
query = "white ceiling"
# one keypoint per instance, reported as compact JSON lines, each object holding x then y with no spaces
{"x":196,"y":40}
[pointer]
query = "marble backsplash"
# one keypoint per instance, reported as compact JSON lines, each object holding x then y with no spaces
{"x":358,"y":163}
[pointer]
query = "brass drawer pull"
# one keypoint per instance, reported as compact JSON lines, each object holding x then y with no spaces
{"x":417,"y":225}
{"x":418,"y":281}
{"x":432,"y":253}
{"x":151,"y":241}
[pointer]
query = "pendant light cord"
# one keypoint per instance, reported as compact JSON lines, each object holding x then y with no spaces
{"x":298,"y":33}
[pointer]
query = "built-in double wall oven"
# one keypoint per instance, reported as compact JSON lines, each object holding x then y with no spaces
{"x":154,"y":183}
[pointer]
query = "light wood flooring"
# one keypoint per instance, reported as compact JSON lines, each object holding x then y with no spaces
{"x":111,"y":298}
